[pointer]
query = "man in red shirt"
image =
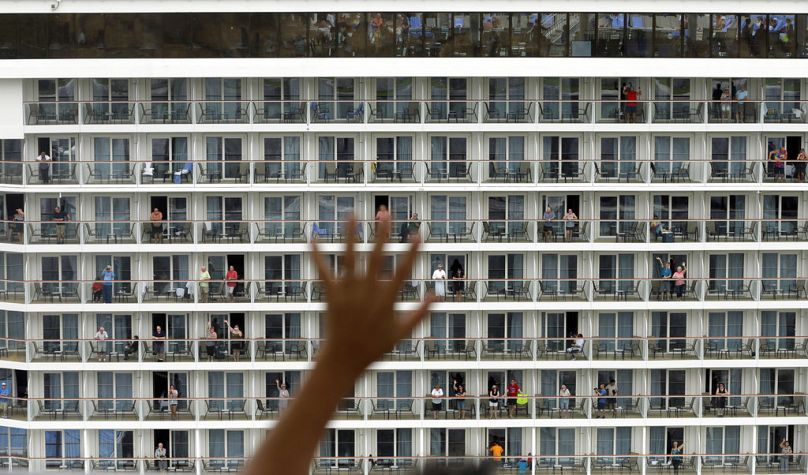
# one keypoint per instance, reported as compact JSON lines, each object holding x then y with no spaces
{"x":631,"y":103}
{"x":513,"y":392}
{"x":231,"y":277}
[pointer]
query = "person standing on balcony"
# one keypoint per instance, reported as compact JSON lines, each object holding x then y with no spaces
{"x":100,"y":340}
{"x":800,"y":172}
{"x":631,"y":105}
{"x":160,"y":457}
{"x":107,"y":276}
{"x":513,"y":393}
{"x":210,"y":346}
{"x":156,"y":218}
{"x":5,"y":392}
{"x":173,"y":396}
{"x":564,"y":401}
{"x":439,"y":276}
{"x":18,"y":229}
{"x":283,"y":396}
{"x":458,"y":276}
{"x":382,"y":214}
{"x":570,"y":221}
{"x":460,"y":397}
{"x":742,"y":95}
{"x":238,"y":336}
{"x":679,"y":280}
{"x":204,"y":284}
{"x":159,"y":344}
{"x":131,"y":348}
{"x":44,"y":167}
{"x":676,"y":455}
{"x":785,"y":454}
{"x":493,"y":401}
{"x":720,"y":399}
{"x":437,"y":400}
{"x":547,"y":228}
{"x":60,"y":217}
{"x":231,"y":277}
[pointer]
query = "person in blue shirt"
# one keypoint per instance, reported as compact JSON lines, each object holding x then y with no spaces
{"x":665,"y":272}
{"x":108,"y":277}
{"x":5,"y":392}
{"x":601,"y":393}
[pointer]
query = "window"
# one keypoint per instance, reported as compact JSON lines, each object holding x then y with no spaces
{"x":47,"y":210}
{"x":281,"y":160}
{"x":396,"y":385}
{"x":119,"y":328}
{"x":393,"y":443}
{"x":551,"y":382}
{"x":509,"y":439}
{"x":720,"y":441}
{"x":661,"y":441}
{"x":337,"y":448}
{"x":170,"y":154}
{"x":335,"y":98}
{"x":169,"y":98}
{"x":616,"y":273}
{"x":668,"y":36}
{"x":728,"y":157}
{"x":282,"y":99}
{"x":506,"y":214}
{"x":615,"y":331}
{"x":336,"y":156}
{"x":63,"y":151}
{"x":618,"y":158}
{"x":617,"y":214}
{"x":611,"y":34}
{"x":448,"y":99}
{"x":226,"y":391}
{"x":505,"y":332}
{"x":393,"y":100}
{"x":556,"y":446}
{"x":223,"y":100}
{"x":612,"y":95}
{"x":394,"y":157}
{"x":559,"y":274}
{"x":448,"y":214}
{"x":273,"y":378}
{"x":624,"y":379}
{"x":560,"y":100}
{"x":60,"y":275}
{"x":447,"y":443}
{"x":669,"y":388}
{"x":282,"y":275}
{"x":504,"y":274}
{"x":725,"y":35}
{"x":506,"y":98}
{"x":11,"y":161}
{"x":560,"y":158}
{"x":556,"y":327}
{"x":12,"y":272}
{"x":223,"y":157}
{"x":671,"y":155}
{"x":447,"y":158}
{"x":779,"y":273}
{"x":224,"y":214}
{"x":780,"y":213}
{"x":777,"y":388}
{"x":669,"y":331}
{"x":13,"y":443}
{"x":178,"y":448}
{"x":769,"y":438}
{"x":226,"y":447}
{"x":170,"y":273}
{"x":111,"y":157}
{"x":727,"y":215}
{"x":725,"y":330}
{"x":57,"y":101}
{"x":110,"y":101}
{"x":672,"y":211}
{"x":333,"y":211}
{"x":726,"y":273}
{"x":506,"y":156}
{"x":58,"y":391}
{"x":112,"y":218}
{"x":448,"y":330}
{"x":783,"y":100}
{"x":612,"y":441}
{"x":63,"y":449}
{"x":777,"y":331}
{"x":672,"y":100}
{"x":12,"y":331}
{"x":116,"y":449}
{"x":282,"y":216}
{"x":732,"y":380}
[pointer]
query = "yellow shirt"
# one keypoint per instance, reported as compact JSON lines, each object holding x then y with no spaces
{"x":496,"y":451}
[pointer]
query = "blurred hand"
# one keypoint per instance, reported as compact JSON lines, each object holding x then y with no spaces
{"x":360,"y":322}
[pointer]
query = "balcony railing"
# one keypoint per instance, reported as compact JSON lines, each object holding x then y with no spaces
{"x":491,"y":348}
{"x":353,"y":168}
{"x":450,"y":291}
{"x":415,"y":111}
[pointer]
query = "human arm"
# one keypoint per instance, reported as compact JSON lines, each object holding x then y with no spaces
{"x":356,"y":300}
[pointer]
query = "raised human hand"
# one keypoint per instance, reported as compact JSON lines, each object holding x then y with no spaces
{"x":360,"y":320}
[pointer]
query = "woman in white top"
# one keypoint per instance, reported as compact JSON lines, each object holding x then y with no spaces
{"x":439,"y":276}
{"x":437,"y":400}
{"x":283,"y":396}
{"x":173,"y":395}
{"x":564,"y":401}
